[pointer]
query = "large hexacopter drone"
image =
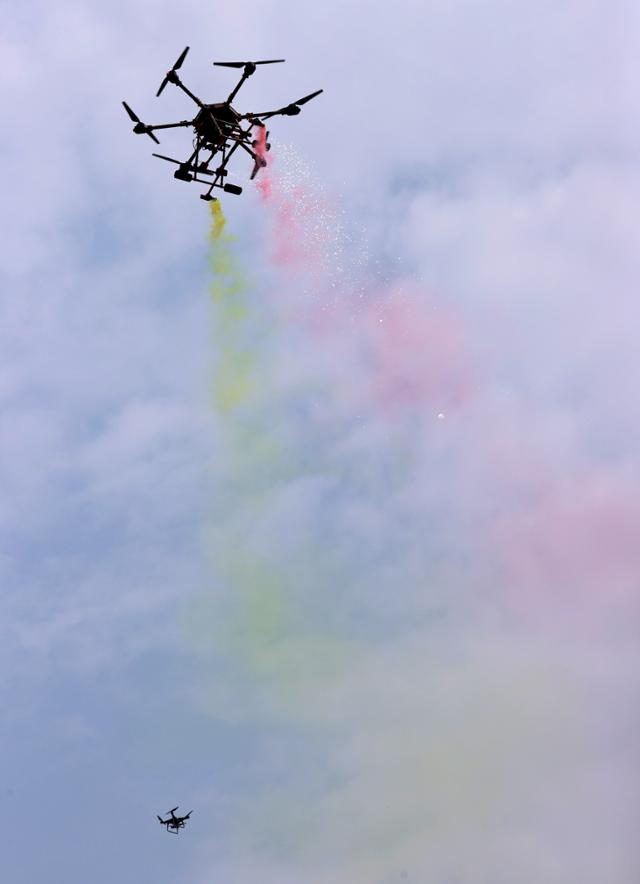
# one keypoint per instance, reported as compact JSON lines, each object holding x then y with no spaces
{"x":219,"y":130}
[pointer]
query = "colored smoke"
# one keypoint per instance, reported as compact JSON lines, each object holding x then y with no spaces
{"x":407,"y":579}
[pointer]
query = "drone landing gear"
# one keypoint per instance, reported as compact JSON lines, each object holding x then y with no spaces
{"x":207,"y":197}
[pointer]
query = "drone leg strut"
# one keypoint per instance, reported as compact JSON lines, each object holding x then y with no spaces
{"x":220,"y":173}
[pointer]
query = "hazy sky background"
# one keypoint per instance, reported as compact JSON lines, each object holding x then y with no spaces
{"x":380,"y":624}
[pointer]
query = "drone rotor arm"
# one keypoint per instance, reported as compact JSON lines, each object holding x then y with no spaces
{"x":172,"y":125}
{"x":245,"y":75}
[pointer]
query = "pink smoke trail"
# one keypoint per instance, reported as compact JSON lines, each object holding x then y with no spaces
{"x":415,"y":346}
{"x":562,"y":539}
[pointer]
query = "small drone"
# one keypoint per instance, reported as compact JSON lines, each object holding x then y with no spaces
{"x":174,"y":823}
{"x":219,"y":130}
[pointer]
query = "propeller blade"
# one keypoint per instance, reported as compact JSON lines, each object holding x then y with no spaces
{"x":290,"y":109}
{"x":307,"y":97}
{"x":139,"y":128}
{"x":168,"y":159}
{"x":188,"y":815}
{"x":241,"y":64}
{"x":132,"y":116}
{"x":182,"y":57}
{"x":176,"y":67}
{"x":173,"y":808}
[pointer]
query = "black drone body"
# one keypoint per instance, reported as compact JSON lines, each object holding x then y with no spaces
{"x":219,"y":130}
{"x":174,"y":823}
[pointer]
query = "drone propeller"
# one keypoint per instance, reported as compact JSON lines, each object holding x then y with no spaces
{"x":175,"y":68}
{"x":169,"y":160}
{"x":133,"y":117}
{"x":139,"y":128}
{"x":173,"y":808}
{"x":291,"y":109}
{"x":188,"y":815}
{"x":241,"y":64}
{"x":307,"y":97}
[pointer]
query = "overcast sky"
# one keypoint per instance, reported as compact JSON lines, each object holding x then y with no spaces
{"x":352,"y":571}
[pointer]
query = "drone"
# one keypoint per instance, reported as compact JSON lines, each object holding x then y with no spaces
{"x":174,"y":823}
{"x":219,"y":130}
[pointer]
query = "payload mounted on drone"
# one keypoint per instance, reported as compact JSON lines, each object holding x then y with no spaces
{"x":219,"y":130}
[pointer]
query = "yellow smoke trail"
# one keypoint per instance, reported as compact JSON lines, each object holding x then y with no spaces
{"x":261,"y":610}
{"x":234,"y":380}
{"x":263,"y":633}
